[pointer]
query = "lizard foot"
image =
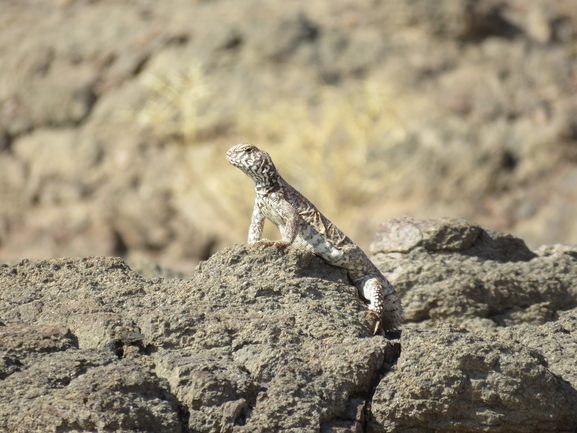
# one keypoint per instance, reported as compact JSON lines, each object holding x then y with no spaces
{"x":269,"y":243}
{"x":264,"y":242}
{"x":281,"y":244}
{"x":378,"y":328}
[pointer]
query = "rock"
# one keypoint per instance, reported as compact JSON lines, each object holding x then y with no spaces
{"x":487,"y":83}
{"x":455,"y":272}
{"x":551,"y":250}
{"x":482,"y":285}
{"x":261,"y":339}
{"x":21,"y":345}
{"x":555,"y":341}
{"x":87,"y":390}
{"x":403,"y":234}
{"x":289,"y":35}
{"x":450,"y":380}
{"x":258,"y":339}
{"x":151,"y":270}
{"x":448,"y":234}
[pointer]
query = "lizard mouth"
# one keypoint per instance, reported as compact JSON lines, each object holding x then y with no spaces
{"x":232,"y":157}
{"x":229,"y":157}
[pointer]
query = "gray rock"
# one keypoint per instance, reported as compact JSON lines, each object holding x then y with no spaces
{"x":555,"y":342}
{"x":448,"y":234}
{"x":151,"y":270}
{"x":454,"y":272}
{"x":406,"y":233}
{"x":21,"y":345}
{"x":261,"y":339}
{"x":498,"y":377}
{"x":258,"y":339}
{"x":87,"y":391}
{"x":451,"y":380}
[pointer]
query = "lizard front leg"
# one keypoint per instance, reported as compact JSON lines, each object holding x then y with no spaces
{"x":256,"y":225}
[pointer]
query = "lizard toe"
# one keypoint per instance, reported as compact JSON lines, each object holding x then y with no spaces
{"x":378,"y":325}
{"x":281,"y":244}
{"x":264,"y":242}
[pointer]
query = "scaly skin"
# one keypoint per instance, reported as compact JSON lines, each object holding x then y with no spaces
{"x":303,"y":226}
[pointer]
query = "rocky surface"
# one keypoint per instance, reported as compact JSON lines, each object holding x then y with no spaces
{"x":256,"y":339}
{"x":261,"y":339}
{"x":482,"y":93}
{"x":452,"y":271}
{"x":451,"y":380}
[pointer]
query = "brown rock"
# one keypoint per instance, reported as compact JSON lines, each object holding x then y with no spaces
{"x":476,"y":97}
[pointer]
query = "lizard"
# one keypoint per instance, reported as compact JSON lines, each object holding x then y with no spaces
{"x":303,"y":226}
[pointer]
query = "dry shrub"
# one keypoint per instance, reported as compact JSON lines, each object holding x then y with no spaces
{"x":178,"y":105}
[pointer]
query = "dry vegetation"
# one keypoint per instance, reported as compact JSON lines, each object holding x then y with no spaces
{"x":334,"y":150}
{"x":174,"y":110}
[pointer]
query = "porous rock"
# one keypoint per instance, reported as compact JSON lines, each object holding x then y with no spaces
{"x":258,"y":339}
{"x":555,"y":341}
{"x":508,"y":362}
{"x":75,"y":390}
{"x":451,"y":380}
{"x":262,"y":339}
{"x":452,"y":271}
{"x":406,"y":233}
{"x":450,"y":235}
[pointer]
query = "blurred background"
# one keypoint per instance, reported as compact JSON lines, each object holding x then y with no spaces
{"x":115,"y":117}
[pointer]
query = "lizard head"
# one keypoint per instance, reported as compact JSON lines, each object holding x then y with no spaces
{"x":255,"y":163}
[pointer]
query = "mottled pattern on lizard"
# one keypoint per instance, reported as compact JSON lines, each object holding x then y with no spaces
{"x":303,"y":226}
